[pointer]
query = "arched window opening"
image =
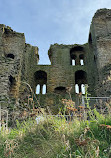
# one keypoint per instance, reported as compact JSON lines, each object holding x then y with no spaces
{"x":73,"y":59}
{"x":40,"y":78}
{"x":76,"y":88}
{"x":60,"y":90}
{"x":38,"y":89}
{"x":81,"y":62}
{"x":81,"y":57}
{"x":73,"y":62}
{"x":44,"y":89}
{"x":10,"y":56}
{"x":12,"y":84}
{"x":76,"y":54}
{"x":83,"y":89}
{"x":81,"y":79}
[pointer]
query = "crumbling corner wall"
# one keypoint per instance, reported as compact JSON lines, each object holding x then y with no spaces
{"x":13,"y":63}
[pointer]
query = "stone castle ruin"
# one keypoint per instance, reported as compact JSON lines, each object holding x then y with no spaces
{"x":71,"y":66}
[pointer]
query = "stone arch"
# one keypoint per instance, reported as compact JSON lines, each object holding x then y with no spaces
{"x":40,"y":78}
{"x":77,"y":48}
{"x":75,"y":52}
{"x":80,"y":79}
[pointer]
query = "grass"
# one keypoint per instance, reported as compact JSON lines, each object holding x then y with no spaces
{"x":56,"y":138}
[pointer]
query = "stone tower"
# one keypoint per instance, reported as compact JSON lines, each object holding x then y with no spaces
{"x":100,"y":47}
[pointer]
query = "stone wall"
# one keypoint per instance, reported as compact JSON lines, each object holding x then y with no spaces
{"x":70,"y":65}
{"x":13,"y":56}
{"x":101,"y":40}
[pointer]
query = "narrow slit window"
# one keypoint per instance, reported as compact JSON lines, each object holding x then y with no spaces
{"x":77,"y":88}
{"x":38,"y":89}
{"x":73,"y":62}
{"x":44,"y":89}
{"x":81,"y":62}
{"x":83,"y":88}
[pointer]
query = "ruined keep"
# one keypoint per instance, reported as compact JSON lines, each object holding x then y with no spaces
{"x":71,"y":65}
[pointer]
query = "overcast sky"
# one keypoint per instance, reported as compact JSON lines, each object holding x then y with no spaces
{"x":46,"y":22}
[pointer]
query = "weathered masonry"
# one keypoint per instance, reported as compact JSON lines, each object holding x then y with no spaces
{"x":71,"y":66}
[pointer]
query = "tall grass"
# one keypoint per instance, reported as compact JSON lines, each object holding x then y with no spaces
{"x":57,"y":138}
